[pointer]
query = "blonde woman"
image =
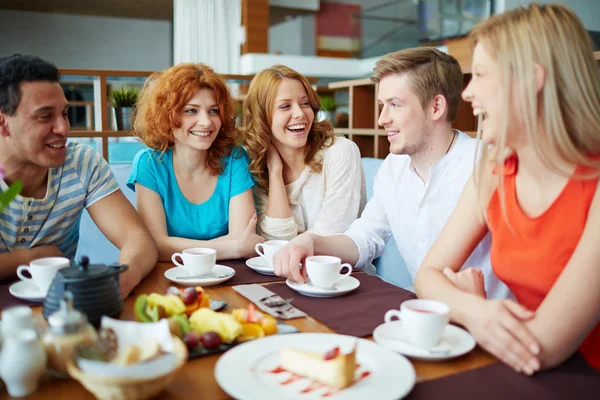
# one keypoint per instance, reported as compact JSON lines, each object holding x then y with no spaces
{"x":537,"y":86}
{"x":307,"y":178}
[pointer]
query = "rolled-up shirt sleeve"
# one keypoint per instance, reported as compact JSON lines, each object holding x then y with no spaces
{"x":372,"y":230}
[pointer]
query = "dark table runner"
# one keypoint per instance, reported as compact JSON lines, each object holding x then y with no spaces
{"x":574,"y":379}
{"x":357,"y":313}
{"x":8,"y":300}
{"x":245,"y":274}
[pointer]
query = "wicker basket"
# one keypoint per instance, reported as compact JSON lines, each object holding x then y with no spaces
{"x":106,"y":388}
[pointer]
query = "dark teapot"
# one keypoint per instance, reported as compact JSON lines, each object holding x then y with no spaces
{"x":95,"y":288}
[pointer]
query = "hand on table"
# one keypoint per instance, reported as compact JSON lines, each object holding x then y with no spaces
{"x":46,"y":251}
{"x":287,"y":261}
{"x":467,"y":279}
{"x":249,"y":239}
{"x":499,"y":327}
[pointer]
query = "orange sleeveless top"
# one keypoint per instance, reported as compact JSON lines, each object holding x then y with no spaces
{"x":530,"y":260}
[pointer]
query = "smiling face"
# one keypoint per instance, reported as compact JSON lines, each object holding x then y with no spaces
{"x":483,"y":92}
{"x":402,"y":115}
{"x":292,"y":115}
{"x":200,"y":121}
{"x":39,"y":127}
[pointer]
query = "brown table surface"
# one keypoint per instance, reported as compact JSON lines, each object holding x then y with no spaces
{"x":197,"y":377}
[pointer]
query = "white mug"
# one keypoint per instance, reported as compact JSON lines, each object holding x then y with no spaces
{"x":43,"y":271}
{"x":196,"y":261}
{"x":423,"y":321}
{"x":269,"y":248}
{"x":324,"y":271}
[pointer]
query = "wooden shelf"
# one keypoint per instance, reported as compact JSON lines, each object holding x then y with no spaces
{"x":364,"y":111}
{"x":354,"y":82}
{"x":99,"y":134}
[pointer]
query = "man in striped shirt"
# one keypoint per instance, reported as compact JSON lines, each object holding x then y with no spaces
{"x":59,"y":179}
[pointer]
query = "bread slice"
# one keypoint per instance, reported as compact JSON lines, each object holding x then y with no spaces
{"x":127,"y":356}
{"x":150,"y":349}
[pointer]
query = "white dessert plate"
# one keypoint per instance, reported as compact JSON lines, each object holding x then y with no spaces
{"x":260,"y":265}
{"x":26,"y":291}
{"x":243,"y":372}
{"x":454,"y":343}
{"x":219,"y":274}
{"x":343,"y":286}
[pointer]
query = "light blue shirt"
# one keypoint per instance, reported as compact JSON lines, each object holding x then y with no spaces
{"x":205,"y":221}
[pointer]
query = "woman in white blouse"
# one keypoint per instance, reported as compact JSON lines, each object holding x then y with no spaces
{"x":307,"y":178}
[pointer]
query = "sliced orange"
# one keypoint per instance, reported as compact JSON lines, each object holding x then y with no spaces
{"x":251,"y":332}
{"x":269,"y":324}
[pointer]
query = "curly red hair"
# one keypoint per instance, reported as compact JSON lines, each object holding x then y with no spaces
{"x":165,"y":93}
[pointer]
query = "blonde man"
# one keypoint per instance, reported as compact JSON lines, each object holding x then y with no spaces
{"x":419,"y":183}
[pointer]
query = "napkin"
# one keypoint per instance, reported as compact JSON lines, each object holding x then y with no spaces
{"x":258,"y":294}
{"x":133,"y":333}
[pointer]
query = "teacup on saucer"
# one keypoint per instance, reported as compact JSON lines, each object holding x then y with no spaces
{"x":218,"y":274}
{"x":260,"y":265}
{"x":26,"y":291}
{"x":455,"y":342}
{"x":343,"y":286}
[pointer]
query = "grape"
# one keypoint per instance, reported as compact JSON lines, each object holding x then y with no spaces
{"x":210,"y":340}
{"x":191,"y":340}
{"x":189,"y":296}
{"x":173,"y":290}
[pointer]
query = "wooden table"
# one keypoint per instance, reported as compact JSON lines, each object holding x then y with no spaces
{"x":197,"y":378}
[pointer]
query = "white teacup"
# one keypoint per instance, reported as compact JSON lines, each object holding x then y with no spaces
{"x":324,"y":271}
{"x":269,"y":248}
{"x":423,"y":321}
{"x":43,"y":271}
{"x":196,"y":261}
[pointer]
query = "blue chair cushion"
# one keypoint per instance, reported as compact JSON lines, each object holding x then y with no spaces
{"x":390,"y":266}
{"x":92,"y":242}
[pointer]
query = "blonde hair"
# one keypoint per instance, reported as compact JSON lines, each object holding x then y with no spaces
{"x":258,"y":114}
{"x":431,"y":73}
{"x":569,"y":103}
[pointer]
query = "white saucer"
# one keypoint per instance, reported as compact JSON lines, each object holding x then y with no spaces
{"x":455,"y":342}
{"x":218,"y":270}
{"x":26,"y":291}
{"x":260,"y":265}
{"x":342,"y":286}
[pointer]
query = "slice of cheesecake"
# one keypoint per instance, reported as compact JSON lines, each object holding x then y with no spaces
{"x":332,"y":368}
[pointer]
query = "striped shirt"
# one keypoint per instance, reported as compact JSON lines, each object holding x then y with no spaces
{"x":83,"y":179}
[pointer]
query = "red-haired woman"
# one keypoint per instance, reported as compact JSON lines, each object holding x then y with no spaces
{"x":193,"y":185}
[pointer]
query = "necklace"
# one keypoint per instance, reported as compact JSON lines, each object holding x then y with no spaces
{"x":452,"y":141}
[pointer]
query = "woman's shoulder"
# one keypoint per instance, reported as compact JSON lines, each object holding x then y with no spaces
{"x":236,"y":157}
{"x":152,"y":156}
{"x":342,"y":148}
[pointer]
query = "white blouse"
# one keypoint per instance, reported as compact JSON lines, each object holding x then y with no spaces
{"x":324,"y":203}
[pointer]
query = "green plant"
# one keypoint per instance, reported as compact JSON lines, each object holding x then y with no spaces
{"x":125,"y":96}
{"x":328,"y":103}
{"x":11,"y":193}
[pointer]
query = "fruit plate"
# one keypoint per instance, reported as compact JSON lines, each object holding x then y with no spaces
{"x":282,"y":328}
{"x":250,"y":371}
